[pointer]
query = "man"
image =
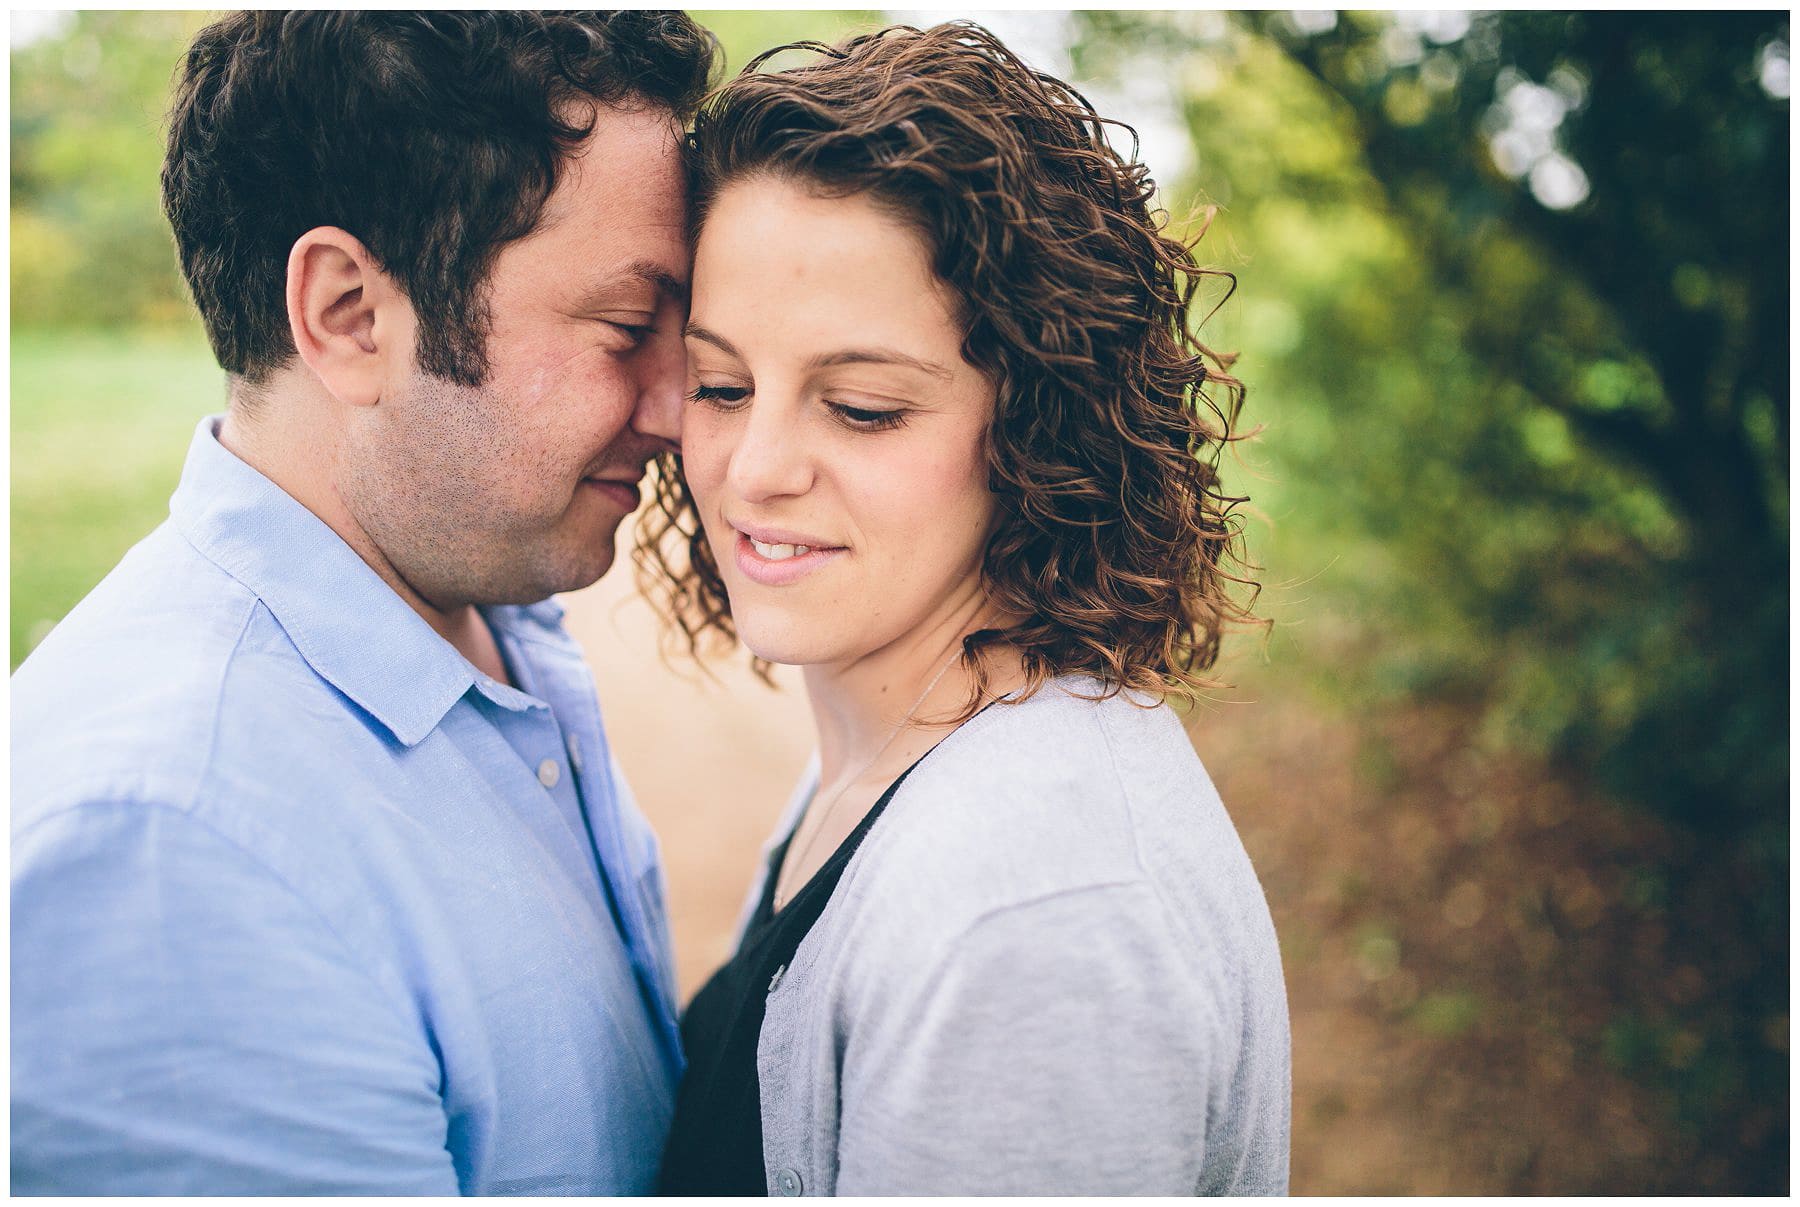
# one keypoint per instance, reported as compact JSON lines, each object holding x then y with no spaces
{"x":324,"y":879}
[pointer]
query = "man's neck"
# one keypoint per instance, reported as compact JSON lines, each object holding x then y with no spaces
{"x":302,"y":465}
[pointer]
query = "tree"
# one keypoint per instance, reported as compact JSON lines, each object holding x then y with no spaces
{"x":1535,"y":270}
{"x":1640,"y":164}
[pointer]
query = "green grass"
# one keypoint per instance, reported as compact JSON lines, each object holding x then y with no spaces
{"x":100,"y":425}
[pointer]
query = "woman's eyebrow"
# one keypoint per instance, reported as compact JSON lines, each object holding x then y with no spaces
{"x":696,"y":331}
{"x":846,"y":356}
{"x":879,"y":356}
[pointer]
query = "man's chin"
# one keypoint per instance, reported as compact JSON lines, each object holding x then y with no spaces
{"x":582,"y":573}
{"x":559,"y":576}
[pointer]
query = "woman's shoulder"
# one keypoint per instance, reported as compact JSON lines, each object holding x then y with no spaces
{"x":1061,"y":793}
{"x":1072,"y":723}
{"x":1070,"y":758}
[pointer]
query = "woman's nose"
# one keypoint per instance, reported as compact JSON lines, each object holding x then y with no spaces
{"x":771,"y":458}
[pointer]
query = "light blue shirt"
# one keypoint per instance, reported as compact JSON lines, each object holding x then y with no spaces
{"x":303,"y":903}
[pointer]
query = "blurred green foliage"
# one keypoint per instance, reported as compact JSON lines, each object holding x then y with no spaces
{"x":1447,"y":1014}
{"x":1605,"y":500}
{"x":89,"y":245}
{"x":1546,"y":447}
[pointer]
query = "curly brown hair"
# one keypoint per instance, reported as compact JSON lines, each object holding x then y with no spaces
{"x":1115,"y":540}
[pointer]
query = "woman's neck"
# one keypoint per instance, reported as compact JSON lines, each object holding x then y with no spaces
{"x":861,"y":706}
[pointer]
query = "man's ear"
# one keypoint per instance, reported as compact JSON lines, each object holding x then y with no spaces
{"x":351,"y":324}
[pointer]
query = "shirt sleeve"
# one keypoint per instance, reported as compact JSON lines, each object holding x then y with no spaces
{"x":1061,"y":1047}
{"x":184,"y":1023}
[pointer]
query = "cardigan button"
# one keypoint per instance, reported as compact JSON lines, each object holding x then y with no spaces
{"x":788,"y":1184}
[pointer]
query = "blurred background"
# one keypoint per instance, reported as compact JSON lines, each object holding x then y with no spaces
{"x":1513,"y":763}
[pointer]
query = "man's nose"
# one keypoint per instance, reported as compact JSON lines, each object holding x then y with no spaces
{"x":662,"y":387}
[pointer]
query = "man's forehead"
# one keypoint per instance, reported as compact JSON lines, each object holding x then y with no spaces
{"x":619,"y":209}
{"x":623,"y":190}
{"x":626,"y":150}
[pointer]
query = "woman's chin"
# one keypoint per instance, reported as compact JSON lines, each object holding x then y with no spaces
{"x":787,"y":645}
{"x":783,"y":653}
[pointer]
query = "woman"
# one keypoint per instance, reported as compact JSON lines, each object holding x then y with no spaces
{"x":947,"y":451}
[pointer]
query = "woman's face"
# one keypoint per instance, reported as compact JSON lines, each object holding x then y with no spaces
{"x":831,"y":411}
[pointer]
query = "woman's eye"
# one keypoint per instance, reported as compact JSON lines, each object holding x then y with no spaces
{"x":724,"y":398}
{"x":863,"y":419}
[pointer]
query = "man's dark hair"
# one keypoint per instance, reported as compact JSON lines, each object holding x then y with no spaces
{"x":434,"y":138}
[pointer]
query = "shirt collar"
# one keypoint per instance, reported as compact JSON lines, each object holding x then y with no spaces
{"x":349,"y":625}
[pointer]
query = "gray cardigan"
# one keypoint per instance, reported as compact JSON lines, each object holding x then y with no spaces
{"x":1048,"y":970}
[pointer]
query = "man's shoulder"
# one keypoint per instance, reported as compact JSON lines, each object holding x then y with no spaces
{"x":125,"y":699}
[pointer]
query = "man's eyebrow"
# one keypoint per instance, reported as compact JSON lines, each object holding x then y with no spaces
{"x":658,"y":278}
{"x":847,"y":356}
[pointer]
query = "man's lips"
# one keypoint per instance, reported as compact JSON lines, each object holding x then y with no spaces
{"x":623,"y":491}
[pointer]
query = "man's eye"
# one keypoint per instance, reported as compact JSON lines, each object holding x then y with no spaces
{"x":724,"y":398}
{"x":637,"y":334}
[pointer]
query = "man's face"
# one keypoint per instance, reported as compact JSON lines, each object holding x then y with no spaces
{"x":513,"y":490}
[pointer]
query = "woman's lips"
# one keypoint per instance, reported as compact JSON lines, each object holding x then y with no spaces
{"x":780,"y":571}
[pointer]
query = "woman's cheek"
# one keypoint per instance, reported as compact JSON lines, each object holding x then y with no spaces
{"x":704,"y":453}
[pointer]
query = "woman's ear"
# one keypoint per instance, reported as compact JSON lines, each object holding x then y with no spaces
{"x":351,"y":324}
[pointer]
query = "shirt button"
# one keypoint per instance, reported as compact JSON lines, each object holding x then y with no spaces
{"x":575,"y":752}
{"x":549,"y":773}
{"x":787,"y":1184}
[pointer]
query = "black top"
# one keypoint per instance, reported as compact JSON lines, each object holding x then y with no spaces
{"x":715,"y":1142}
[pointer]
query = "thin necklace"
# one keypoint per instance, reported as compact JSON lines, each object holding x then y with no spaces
{"x":788,"y":865}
